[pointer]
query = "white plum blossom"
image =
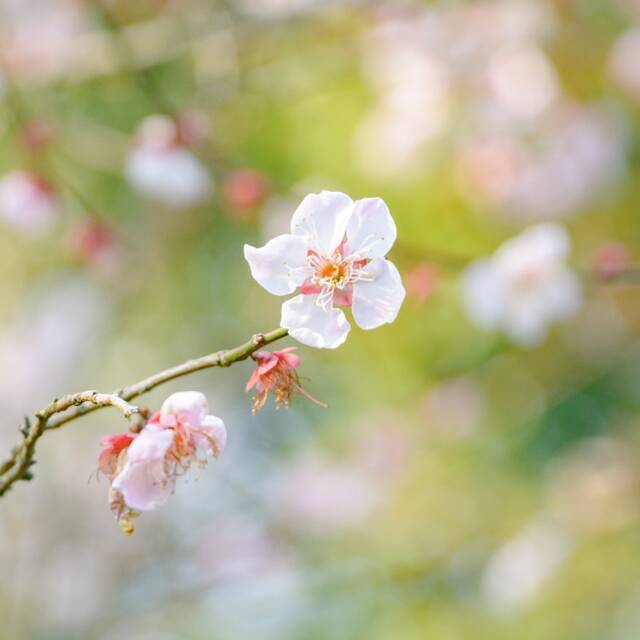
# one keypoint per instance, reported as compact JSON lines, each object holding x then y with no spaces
{"x":335,"y":256}
{"x":144,"y":467}
{"x":27,"y":202}
{"x":525,"y":286}
{"x":161,"y":167}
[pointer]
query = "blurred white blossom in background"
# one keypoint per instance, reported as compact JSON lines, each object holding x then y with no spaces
{"x":525,"y":286}
{"x":162,"y":168}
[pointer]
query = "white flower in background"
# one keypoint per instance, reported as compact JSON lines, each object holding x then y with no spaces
{"x":518,"y":570}
{"x":37,"y":38}
{"x":413,"y":103}
{"x":623,"y":62}
{"x":335,"y":256}
{"x":27,"y":202}
{"x":144,"y":469}
{"x":522,"y":81}
{"x":525,"y":286}
{"x":162,"y":168}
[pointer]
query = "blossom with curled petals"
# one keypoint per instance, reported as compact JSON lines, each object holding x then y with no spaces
{"x":146,"y":468}
{"x":335,"y":257}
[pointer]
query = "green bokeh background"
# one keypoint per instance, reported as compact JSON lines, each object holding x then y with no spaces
{"x":524,"y":438}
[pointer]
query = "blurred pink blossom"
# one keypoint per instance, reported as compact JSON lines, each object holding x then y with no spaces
{"x":244,"y":190}
{"x":623,"y":62}
{"x":422,"y":281}
{"x":276,"y":372}
{"x":611,"y":260}
{"x":28,"y":202}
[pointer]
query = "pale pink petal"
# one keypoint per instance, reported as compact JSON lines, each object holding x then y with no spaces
{"x":143,"y":482}
{"x":190,"y":407}
{"x":323,"y":218}
{"x":308,"y":323}
{"x":150,"y":445}
{"x":144,"y":485}
{"x":291,"y":359}
{"x":213,"y":438}
{"x":371,"y":231}
{"x":279,"y":266}
{"x":378,"y":301}
{"x":343,"y":297}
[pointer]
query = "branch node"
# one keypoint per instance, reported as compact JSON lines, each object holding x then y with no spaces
{"x":258,"y":339}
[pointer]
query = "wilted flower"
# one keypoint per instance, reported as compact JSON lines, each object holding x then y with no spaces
{"x":162,"y":168}
{"x":335,"y":256}
{"x":28,"y":202}
{"x":276,"y":371}
{"x":525,"y":286}
{"x":144,"y":467}
{"x":36,"y":134}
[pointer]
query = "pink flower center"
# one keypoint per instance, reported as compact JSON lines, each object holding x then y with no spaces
{"x":334,"y":273}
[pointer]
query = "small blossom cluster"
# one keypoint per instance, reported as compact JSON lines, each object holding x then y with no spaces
{"x":143,"y":467}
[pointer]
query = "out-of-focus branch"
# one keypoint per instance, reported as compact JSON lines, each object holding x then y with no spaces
{"x":72,"y":406}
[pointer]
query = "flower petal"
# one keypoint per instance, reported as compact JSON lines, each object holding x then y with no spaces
{"x":151,"y":444}
{"x":213,"y":438}
{"x":371,"y":231}
{"x":308,"y":323}
{"x":323,"y":218}
{"x":279,"y":266}
{"x":144,"y":485}
{"x":378,"y":301}
{"x":190,"y":407}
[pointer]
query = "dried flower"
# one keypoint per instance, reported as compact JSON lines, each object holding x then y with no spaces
{"x":276,"y":371}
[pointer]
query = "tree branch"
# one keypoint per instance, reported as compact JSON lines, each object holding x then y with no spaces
{"x":72,"y":406}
